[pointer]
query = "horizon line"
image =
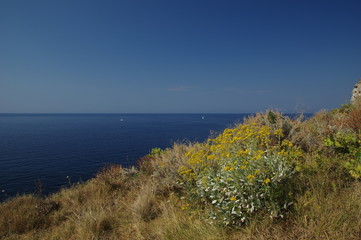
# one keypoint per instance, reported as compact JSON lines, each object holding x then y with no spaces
{"x":93,"y":113}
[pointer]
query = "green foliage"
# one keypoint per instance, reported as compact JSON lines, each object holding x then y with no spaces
{"x":343,"y":109}
{"x":242,"y":172}
{"x":272,"y":117}
{"x":155,"y":152}
{"x":349,"y":145}
{"x":240,"y":193}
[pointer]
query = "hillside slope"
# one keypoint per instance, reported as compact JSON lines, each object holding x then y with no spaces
{"x":271,"y":177}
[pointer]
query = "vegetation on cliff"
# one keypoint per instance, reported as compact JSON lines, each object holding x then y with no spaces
{"x":271,"y":177}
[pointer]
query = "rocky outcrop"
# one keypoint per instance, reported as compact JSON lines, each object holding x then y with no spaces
{"x":356,"y":92}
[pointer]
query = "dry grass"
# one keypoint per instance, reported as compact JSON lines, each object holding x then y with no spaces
{"x":276,"y":120}
{"x":25,"y":213}
{"x":175,"y":223}
{"x":330,"y":215}
{"x":145,"y":206}
{"x":313,"y":131}
{"x":318,"y":215}
{"x":353,"y":118}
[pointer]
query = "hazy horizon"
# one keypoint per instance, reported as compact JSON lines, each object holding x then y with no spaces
{"x":148,"y":113}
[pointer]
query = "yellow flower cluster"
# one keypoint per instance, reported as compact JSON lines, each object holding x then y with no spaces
{"x":248,"y":142}
{"x":185,"y":206}
{"x":237,"y":170}
{"x":288,"y":150}
{"x":267,"y":180}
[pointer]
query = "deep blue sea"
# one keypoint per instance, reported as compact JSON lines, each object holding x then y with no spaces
{"x":47,"y":151}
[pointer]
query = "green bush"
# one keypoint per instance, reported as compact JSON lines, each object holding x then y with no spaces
{"x":242,"y":172}
{"x":349,"y":145}
{"x":156,"y":152}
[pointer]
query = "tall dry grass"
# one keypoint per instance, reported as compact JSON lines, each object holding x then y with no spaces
{"x":353,"y":119}
{"x":25,"y":213}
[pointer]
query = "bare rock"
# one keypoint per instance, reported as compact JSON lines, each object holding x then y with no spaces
{"x":356,"y":92}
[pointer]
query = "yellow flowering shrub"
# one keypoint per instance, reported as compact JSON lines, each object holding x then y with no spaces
{"x":242,"y":171}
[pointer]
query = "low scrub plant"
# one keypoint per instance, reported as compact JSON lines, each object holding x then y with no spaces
{"x":156,"y":152}
{"x":243,"y":171}
{"x":347,"y":144}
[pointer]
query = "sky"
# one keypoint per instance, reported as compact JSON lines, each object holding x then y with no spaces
{"x":177,"y":56}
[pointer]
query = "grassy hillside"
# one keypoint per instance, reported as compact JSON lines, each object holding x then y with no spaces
{"x":271,"y":177}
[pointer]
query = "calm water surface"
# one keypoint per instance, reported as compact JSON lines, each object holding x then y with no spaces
{"x":53,"y":149}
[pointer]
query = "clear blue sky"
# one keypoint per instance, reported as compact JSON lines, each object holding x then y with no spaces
{"x":177,"y":56}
